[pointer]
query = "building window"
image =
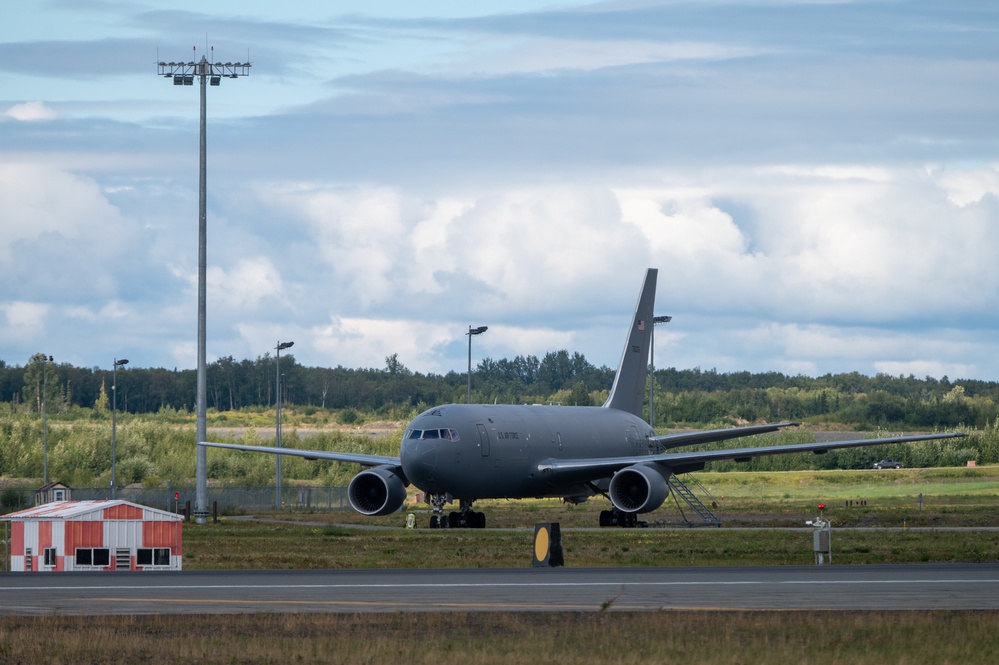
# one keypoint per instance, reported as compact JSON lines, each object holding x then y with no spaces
{"x":152,"y":556}
{"x":58,"y":495}
{"x":50,"y":556}
{"x":93,"y":557}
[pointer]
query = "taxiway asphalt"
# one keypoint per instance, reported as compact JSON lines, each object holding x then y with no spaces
{"x":875,"y":587}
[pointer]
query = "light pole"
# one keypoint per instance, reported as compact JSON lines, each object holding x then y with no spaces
{"x":472,"y":331}
{"x":277,"y":430}
{"x":183,"y":73}
{"x":114,"y":423}
{"x":45,"y":423}
{"x":656,"y":320}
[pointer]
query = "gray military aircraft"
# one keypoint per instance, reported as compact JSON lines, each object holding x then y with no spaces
{"x":466,"y":452}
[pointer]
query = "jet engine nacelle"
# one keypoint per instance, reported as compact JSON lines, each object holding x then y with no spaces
{"x":638,"y":489}
{"x":377,"y":491}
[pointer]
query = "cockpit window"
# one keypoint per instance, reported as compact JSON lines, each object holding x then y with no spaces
{"x":448,"y":433}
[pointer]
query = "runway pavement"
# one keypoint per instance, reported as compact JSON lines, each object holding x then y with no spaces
{"x":894,"y":587}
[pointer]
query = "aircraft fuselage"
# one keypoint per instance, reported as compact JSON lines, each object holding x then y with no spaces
{"x":476,"y":451}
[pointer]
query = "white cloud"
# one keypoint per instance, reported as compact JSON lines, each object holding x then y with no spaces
{"x":549,"y":167}
{"x":25,"y":321}
{"x":966,"y":186}
{"x":244,"y":286}
{"x":183,"y":354}
{"x":811,"y":244}
{"x":42,"y":202}
{"x":31,"y":112}
{"x":359,"y":342}
{"x":515,"y":341}
{"x":114,"y":310}
{"x":924,"y":368}
{"x":526,"y":247}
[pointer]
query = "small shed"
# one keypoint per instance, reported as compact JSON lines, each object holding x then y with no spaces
{"x":94,"y":535}
{"x":53,"y":491}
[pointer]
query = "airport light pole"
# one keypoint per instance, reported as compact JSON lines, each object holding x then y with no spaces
{"x":656,"y":320}
{"x":277,"y":430}
{"x":472,"y":331}
{"x":114,"y":423}
{"x":183,"y":74}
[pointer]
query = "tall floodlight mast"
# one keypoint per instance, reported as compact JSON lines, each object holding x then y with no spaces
{"x":184,"y":73}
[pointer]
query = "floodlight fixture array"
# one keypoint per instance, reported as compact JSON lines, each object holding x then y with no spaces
{"x":215,"y":71}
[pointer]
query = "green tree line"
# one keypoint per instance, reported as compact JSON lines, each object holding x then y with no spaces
{"x":155,"y":433}
{"x":690,"y":397}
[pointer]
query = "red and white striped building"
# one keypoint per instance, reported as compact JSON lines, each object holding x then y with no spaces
{"x":94,"y":535}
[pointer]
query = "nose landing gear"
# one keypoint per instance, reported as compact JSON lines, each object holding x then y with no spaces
{"x":464,"y":518}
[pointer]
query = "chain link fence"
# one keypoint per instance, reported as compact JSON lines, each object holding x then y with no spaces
{"x":231,"y":500}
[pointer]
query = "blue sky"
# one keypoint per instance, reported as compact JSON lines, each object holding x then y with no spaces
{"x":816,"y":182}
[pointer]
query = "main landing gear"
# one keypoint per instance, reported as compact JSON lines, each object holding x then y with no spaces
{"x":464,"y":518}
{"x":620,"y":518}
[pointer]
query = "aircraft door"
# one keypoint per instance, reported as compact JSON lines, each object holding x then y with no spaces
{"x":483,"y":439}
{"x":634,"y":439}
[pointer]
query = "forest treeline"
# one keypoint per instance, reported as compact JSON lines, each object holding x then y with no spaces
{"x":155,"y":414}
{"x":689,"y":397}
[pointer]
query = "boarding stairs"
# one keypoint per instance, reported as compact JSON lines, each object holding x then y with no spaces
{"x":700,"y":514}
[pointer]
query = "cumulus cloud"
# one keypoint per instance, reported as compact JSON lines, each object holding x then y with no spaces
{"x":881,"y":244}
{"x":521,"y":169}
{"x":968,"y":185}
{"x":243,"y":287}
{"x":63,"y":241}
{"x":24,"y":322}
{"x":522,"y":248}
{"x":360,"y":342}
{"x":31,"y":112}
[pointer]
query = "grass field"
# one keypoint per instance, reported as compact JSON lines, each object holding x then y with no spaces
{"x":277,"y":545}
{"x":960,"y":509}
{"x":609,"y":638}
{"x":880,"y":523}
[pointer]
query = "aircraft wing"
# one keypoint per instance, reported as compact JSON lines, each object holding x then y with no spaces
{"x":363,"y":460}
{"x":579,"y":470}
{"x":706,"y":436}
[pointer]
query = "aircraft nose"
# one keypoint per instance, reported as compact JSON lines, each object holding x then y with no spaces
{"x":419,"y":457}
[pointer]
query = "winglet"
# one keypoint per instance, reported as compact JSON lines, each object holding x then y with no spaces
{"x":628,"y":391}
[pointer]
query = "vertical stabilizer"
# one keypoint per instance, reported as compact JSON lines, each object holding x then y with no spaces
{"x":628,"y":392}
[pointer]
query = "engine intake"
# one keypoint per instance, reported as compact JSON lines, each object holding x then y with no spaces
{"x":377,"y":491}
{"x":638,"y":489}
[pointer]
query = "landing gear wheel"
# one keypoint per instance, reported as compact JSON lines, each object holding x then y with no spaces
{"x":618,"y":518}
{"x":437,"y":519}
{"x":466,"y":518}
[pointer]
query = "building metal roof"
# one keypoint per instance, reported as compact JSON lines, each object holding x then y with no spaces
{"x":91,"y":510}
